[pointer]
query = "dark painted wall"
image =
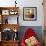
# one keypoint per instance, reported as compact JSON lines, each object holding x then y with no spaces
{"x":37,"y":29}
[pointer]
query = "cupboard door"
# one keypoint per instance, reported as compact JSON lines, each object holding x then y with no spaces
{"x":0,"y":19}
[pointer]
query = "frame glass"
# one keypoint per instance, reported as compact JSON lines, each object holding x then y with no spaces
{"x":9,"y":20}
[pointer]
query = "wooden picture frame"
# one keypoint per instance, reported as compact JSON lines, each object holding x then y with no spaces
{"x":29,"y":13}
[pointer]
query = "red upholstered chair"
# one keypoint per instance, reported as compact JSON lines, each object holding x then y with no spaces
{"x":29,"y":34}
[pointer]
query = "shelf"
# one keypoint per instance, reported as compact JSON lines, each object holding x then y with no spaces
{"x":7,"y":16}
{"x":9,"y":10}
{"x":11,"y":26}
{"x":10,"y":41}
{"x":6,"y":12}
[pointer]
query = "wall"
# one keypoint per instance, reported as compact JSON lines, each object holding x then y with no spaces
{"x":34,"y":3}
{"x":36,"y":29}
{"x":26,"y":3}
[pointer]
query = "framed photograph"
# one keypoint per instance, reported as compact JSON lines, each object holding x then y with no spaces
{"x":13,"y":12}
{"x":29,"y":13}
{"x":5,"y":12}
